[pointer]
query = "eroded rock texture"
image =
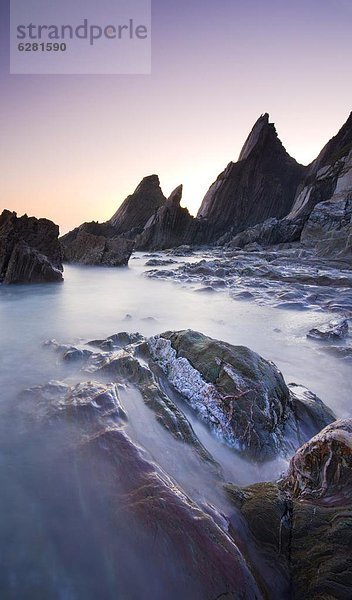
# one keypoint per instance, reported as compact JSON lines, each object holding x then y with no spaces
{"x":303,"y":524}
{"x":241,"y":396}
{"x":30,"y":250}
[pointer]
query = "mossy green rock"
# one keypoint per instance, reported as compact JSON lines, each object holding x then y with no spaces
{"x":302,"y":525}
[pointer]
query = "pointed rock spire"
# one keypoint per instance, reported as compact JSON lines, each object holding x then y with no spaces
{"x":262,"y":184}
{"x":259,"y":130}
{"x":137,"y":209}
{"x":176,"y":196}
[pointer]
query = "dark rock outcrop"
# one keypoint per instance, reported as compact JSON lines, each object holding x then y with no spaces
{"x":320,"y":215}
{"x":262,"y":184}
{"x":30,"y":251}
{"x":329,"y":228}
{"x":239,"y":394}
{"x":111,"y":243}
{"x":171,"y":226}
{"x":89,"y":249}
{"x":303,"y":524}
{"x":137,"y":209}
{"x":272,"y":232}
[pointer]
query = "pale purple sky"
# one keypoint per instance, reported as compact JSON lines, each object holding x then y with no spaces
{"x":73,"y":147}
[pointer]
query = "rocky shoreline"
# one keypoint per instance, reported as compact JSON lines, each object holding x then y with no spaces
{"x":270,"y":232}
{"x":289,"y":538}
{"x":264,"y":200}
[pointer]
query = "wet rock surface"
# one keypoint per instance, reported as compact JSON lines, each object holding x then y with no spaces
{"x":241,"y":397}
{"x":286,"y":539}
{"x":303,"y":524}
{"x":322,"y":467}
{"x":122,"y":357}
{"x":334,"y":330}
{"x":128,"y":501}
{"x":286,"y":278}
{"x":30,"y":251}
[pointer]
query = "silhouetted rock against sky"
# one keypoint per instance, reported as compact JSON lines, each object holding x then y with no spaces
{"x":322,"y":210}
{"x":137,"y":209}
{"x":262,"y":184}
{"x":172,"y":226}
{"x":265,"y":197}
{"x":30,"y":251}
{"x":328,"y":175}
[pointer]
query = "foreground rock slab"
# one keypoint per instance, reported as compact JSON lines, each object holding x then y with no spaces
{"x":303,"y":524}
{"x":240,"y":395}
{"x":113,"y":495}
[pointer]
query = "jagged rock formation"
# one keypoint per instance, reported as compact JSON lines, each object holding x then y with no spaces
{"x":321,"y":213}
{"x":111,"y":243}
{"x":262,"y":184}
{"x":30,"y":251}
{"x":171,"y":226}
{"x":266,"y":197}
{"x":137,"y":209}
{"x":303,"y":524}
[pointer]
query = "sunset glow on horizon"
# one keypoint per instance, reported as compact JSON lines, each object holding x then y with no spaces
{"x":73,"y":147}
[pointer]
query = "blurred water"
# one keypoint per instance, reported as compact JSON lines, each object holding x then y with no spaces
{"x":95,"y":303}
